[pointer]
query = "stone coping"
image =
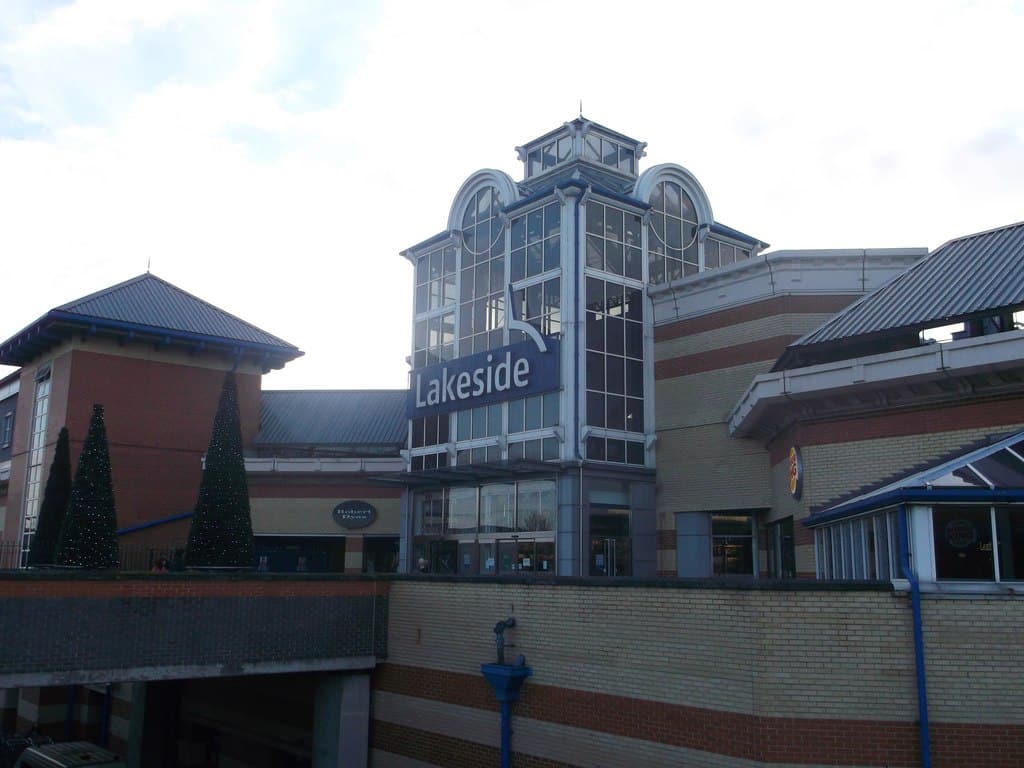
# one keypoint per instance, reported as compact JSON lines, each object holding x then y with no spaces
{"x":665,"y":582}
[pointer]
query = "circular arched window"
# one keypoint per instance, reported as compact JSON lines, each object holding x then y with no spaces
{"x":672,"y":234}
{"x":482,"y":278}
{"x":482,"y":228}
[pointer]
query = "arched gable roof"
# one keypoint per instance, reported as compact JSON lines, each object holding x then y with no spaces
{"x":488,"y":177}
{"x":672,"y":172}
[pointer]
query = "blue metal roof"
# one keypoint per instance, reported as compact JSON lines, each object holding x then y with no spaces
{"x":582,"y":171}
{"x":993,"y":472}
{"x":967,"y":276}
{"x":370,"y":419}
{"x":150,"y":301}
{"x":151,"y":307}
{"x":718,"y":228}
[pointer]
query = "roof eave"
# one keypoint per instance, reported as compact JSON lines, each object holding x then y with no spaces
{"x":39,"y":337}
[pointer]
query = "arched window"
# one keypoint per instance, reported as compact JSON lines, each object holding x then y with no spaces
{"x":482,"y":282}
{"x":673,"y":248}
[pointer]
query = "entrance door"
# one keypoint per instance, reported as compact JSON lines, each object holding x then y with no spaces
{"x":610,"y":543}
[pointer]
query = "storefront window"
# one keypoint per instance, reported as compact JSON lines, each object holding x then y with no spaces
{"x":1010,"y":533}
{"x":963,"y":543}
{"x":536,"y":506}
{"x":489,"y":529}
{"x":428,"y":514}
{"x":862,"y":548}
{"x":781,"y":557}
{"x":732,"y":544}
{"x":497,"y":508}
{"x":462,"y":510}
{"x":380,"y":554}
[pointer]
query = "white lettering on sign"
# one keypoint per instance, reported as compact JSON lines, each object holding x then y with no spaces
{"x":493,"y":377}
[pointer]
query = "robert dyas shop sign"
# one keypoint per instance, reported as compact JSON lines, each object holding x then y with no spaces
{"x":506,"y":373}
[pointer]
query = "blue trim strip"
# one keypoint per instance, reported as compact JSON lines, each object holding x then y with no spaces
{"x":718,"y":228}
{"x":542,"y":194}
{"x":414,"y":250}
{"x":624,"y":199}
{"x":917,"y":495}
{"x":915,"y":604}
{"x":153,"y":523}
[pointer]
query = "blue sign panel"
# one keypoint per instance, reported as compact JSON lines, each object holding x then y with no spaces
{"x":506,"y":373}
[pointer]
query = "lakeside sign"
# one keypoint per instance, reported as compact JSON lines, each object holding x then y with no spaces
{"x":506,"y":373}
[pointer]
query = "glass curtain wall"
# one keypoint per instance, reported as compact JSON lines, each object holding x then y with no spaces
{"x":488,"y":529}
{"x":471,"y":276}
{"x":614,"y":335}
{"x":34,"y":472}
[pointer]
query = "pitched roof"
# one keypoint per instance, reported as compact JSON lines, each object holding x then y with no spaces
{"x":355,"y":420}
{"x":149,"y":306}
{"x":994,"y":471}
{"x":582,"y":171}
{"x":967,"y":276}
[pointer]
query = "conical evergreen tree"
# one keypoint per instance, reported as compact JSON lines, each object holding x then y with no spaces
{"x":88,"y":538}
{"x":43,"y":550}
{"x":221,"y":532}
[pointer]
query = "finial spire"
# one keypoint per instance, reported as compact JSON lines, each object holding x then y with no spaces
{"x":581,"y":108}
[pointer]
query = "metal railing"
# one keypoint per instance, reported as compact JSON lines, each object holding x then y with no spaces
{"x":132,"y":557}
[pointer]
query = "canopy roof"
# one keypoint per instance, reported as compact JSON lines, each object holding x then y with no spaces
{"x":968,"y":277}
{"x":992,"y":473}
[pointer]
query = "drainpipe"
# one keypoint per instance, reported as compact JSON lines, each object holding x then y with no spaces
{"x":505,"y":681}
{"x":69,"y":717}
{"x":915,"y":604}
{"x":105,"y":717}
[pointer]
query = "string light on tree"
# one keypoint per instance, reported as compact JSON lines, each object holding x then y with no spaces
{"x":88,"y":538}
{"x":221,"y":532}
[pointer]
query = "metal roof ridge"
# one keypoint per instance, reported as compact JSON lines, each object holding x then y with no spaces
{"x":103,"y":291}
{"x":69,"y":306}
{"x":973,"y":235}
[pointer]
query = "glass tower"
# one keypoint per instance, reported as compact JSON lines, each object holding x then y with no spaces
{"x":531,"y":402}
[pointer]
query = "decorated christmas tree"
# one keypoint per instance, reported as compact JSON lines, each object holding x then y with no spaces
{"x":221,"y":533}
{"x":43,"y":549}
{"x":88,"y":537}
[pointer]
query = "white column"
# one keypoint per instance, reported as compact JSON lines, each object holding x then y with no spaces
{"x":341,"y":721}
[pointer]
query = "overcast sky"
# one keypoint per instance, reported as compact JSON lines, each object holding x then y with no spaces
{"x":273,"y":158}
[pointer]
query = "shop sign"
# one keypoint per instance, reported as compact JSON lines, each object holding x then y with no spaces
{"x":796,"y":473}
{"x":506,"y":373}
{"x":961,"y":533}
{"x":354,"y":514}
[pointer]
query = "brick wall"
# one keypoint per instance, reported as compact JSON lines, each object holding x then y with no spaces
{"x":638,"y":674}
{"x":839,"y":463}
{"x":159,"y":412}
{"x":703,"y":365}
{"x":81,"y":629}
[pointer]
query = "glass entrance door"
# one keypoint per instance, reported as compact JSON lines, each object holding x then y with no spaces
{"x":610,"y":543}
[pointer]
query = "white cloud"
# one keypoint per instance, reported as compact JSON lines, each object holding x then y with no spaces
{"x":274,"y":158}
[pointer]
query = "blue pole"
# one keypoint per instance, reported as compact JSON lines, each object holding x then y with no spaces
{"x":915,"y":604}
{"x":506,"y":734}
